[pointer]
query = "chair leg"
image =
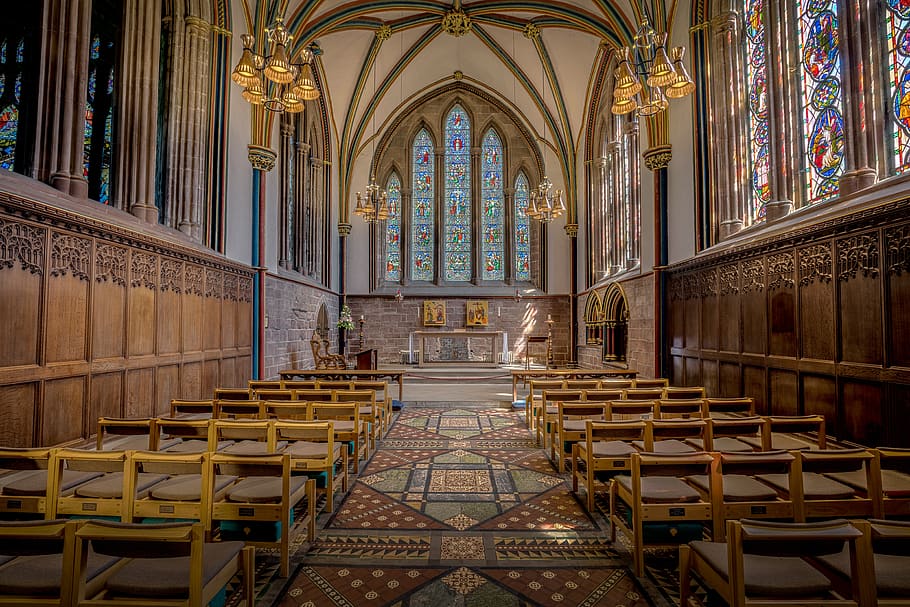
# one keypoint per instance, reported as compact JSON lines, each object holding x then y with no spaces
{"x":248,"y":559}
{"x":330,"y":488}
{"x":311,"y":506}
{"x":684,"y":575}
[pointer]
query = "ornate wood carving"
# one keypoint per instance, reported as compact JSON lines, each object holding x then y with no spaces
{"x":110,"y":264}
{"x":172,"y":275}
{"x":144,"y":270}
{"x":677,"y":292}
{"x":707,"y":283}
{"x":213,"y":283}
{"x":690,"y":286}
{"x":857,"y":254}
{"x":245,"y":291}
{"x":729,"y":279}
{"x":70,"y":254}
{"x":193,"y":279}
{"x":897,"y":241}
{"x":815,"y":264}
{"x":230,"y":286}
{"x":753,"y":276}
{"x":23,"y":244}
{"x":780,"y":271}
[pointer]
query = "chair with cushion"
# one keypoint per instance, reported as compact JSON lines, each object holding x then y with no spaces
{"x":118,"y":434}
{"x":655,"y":505}
{"x":161,"y":564}
{"x":192,"y":408}
{"x":246,"y":436}
{"x":286,"y":409}
{"x":654,"y":394}
{"x":193,"y":435}
{"x":730,"y":407}
{"x":314,"y":452}
{"x":686,"y":408}
{"x":299,"y":384}
{"x":674,"y":436}
{"x":266,"y":384}
{"x":606,"y":451}
{"x":258,"y":507}
{"x":314,"y":394}
{"x":602,"y":394}
{"x":349,"y":429}
{"x":794,"y":433}
{"x":683,"y":392}
{"x":546,"y":415}
{"x":27,"y":490}
{"x":767,"y":563}
{"x":655,"y":382}
{"x":532,"y":400}
{"x":617,"y":384}
{"x":335,"y":384}
{"x":238,"y":409}
{"x":570,"y":426}
{"x":625,"y":410}
{"x":274,"y":394}
{"x":370,"y":412}
{"x":893,"y":466}
{"x":233,"y":393}
{"x":727,"y":432}
{"x":582,"y":384}
{"x":383,"y":399}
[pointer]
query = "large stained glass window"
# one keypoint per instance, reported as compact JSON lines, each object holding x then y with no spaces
{"x":423,"y":234}
{"x":522,"y":229}
{"x":757,"y":79}
{"x":492,"y":249}
{"x":12,"y":56}
{"x":897,"y":27}
{"x":823,"y":119}
{"x":393,"y":230}
{"x":99,"y":102}
{"x":457,"y":206}
{"x":19,"y":39}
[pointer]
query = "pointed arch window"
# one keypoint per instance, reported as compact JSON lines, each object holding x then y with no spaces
{"x":897,"y":29}
{"x":492,"y":209}
{"x":423,"y":231}
{"x":99,"y":103}
{"x":393,"y":230}
{"x":18,"y":86}
{"x":522,"y":229}
{"x":457,"y":208}
{"x":822,"y":98}
{"x":757,"y":115}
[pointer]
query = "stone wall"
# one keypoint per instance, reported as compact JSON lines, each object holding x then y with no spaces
{"x":640,"y":301}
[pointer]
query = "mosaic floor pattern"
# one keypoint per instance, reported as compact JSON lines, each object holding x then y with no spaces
{"x":458,"y":506}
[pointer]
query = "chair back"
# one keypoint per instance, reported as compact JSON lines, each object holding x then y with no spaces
{"x":643,"y":394}
{"x":232,"y":393}
{"x":299,"y":384}
{"x":631,"y":409}
{"x":314,"y":394}
{"x":265,"y":384}
{"x":677,"y":429}
{"x":286,"y":409}
{"x":683,"y":392}
{"x":242,"y":430}
{"x":731,"y":406}
{"x":335,"y":384}
{"x":193,"y":408}
{"x":185,"y":429}
{"x":237,"y":409}
{"x":143,"y":428}
{"x":603,"y":394}
{"x":617,"y":384}
{"x":655,"y":382}
{"x":274,"y":394}
{"x":688,"y":408}
{"x":582,"y":384}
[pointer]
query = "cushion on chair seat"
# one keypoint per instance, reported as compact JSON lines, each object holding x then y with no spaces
{"x":343,"y":425}
{"x":187,"y":487}
{"x":815,"y":486}
{"x":169,"y":577}
{"x":767,"y":576}
{"x":262,"y":489}
{"x":41,"y":574}
{"x":309,"y":449}
{"x":35,"y":482}
{"x":667,"y":446}
{"x":894,"y":483}
{"x":195,"y":445}
{"x":661,"y":489}
{"x":723,"y":443}
{"x":574,"y":425}
{"x":891,"y":577}
{"x":612,"y":448}
{"x":110,"y":486}
{"x":781,"y":442}
{"x":132,"y":442}
{"x":737,"y":488}
{"x":252,"y":447}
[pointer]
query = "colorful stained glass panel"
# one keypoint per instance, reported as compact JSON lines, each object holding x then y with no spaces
{"x":493,"y":219}
{"x":457,"y":220}
{"x":98,"y":148}
{"x":393,"y":230}
{"x":757,"y":79}
{"x":522,"y":229}
{"x":897,"y":27}
{"x":422,"y":216}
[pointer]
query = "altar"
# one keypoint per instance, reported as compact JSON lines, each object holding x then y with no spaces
{"x":476,"y":348}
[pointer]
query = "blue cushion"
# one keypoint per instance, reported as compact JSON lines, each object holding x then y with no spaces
{"x":519,"y":404}
{"x":397,"y":405}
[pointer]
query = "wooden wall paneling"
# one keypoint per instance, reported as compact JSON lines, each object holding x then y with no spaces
{"x":170,"y":306}
{"x":109,"y":302}
{"x":141,"y":317}
{"x":897,"y":294}
{"x":167,"y":387}
{"x":729,"y":309}
{"x":105,"y":400}
{"x":782,"y":304}
{"x":68,"y":282}
{"x":191,"y":382}
{"x":859,"y":290}
{"x":678,"y":376}
{"x":193,"y":306}
{"x":676,"y":321}
{"x":819,"y":397}
{"x":245,"y":369}
{"x":140,"y":392}
{"x":783,"y":395}
{"x":692,"y":311}
{"x":22,"y":272}
{"x":245,"y":313}
{"x":861,"y":410}
{"x":693,"y":372}
{"x":229,"y":312}
{"x":211,"y":377}
{"x":896,"y":416}
{"x":18,"y":406}
{"x":729,"y":383}
{"x":228,"y":373}
{"x":816,"y":302}
{"x":754,"y":305}
{"x":755,"y":384}
{"x":709,"y":377}
{"x":710,"y":321}
{"x":62,"y":410}
{"x":212,"y":308}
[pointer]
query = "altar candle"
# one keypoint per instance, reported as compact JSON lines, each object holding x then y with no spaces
{"x":361,"y":318}
{"x":549,"y":318}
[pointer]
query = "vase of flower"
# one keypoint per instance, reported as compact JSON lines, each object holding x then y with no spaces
{"x":345,"y":323}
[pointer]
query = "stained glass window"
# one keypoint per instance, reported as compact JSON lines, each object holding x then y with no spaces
{"x":393,"y":230}
{"x":422,"y":215}
{"x":757,"y":79}
{"x":19,"y":44}
{"x":522,"y":229}
{"x":823,"y":119}
{"x":457,"y":206}
{"x":492,"y":249}
{"x":10,"y":99}
{"x":897,"y":27}
{"x":99,"y":118}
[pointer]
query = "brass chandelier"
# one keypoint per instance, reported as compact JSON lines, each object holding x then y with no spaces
{"x":372,"y":206}
{"x":544,"y":203}
{"x":647,"y":61}
{"x":274,"y":80}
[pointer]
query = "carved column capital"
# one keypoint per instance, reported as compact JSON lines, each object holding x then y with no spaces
{"x":197,"y":24}
{"x":571,"y":230}
{"x":261,"y":158}
{"x":725,"y":22}
{"x":344,"y":229}
{"x":658,"y":157}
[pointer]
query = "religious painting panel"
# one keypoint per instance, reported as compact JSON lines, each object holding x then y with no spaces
{"x":477,"y":313}
{"x":434,"y":313}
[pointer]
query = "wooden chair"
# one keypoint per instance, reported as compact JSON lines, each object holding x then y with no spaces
{"x":607,"y":450}
{"x":299,"y":384}
{"x":683,"y":393}
{"x":674,"y":436}
{"x":27,"y":490}
{"x":656,"y":492}
{"x":246,"y":436}
{"x":383,"y":399}
{"x":286,"y":409}
{"x":793,"y":433}
{"x":314,"y":394}
{"x":726,"y":433}
{"x":546,"y":416}
{"x":118,"y":434}
{"x":726,"y":407}
{"x":571,"y":421}
{"x":764,"y":563}
{"x":163,"y":564}
{"x":265,"y":384}
{"x":193,"y":435}
{"x":532,"y":401}
{"x":617,"y":384}
{"x":654,"y":394}
{"x":370,"y":413}
{"x":893,"y":466}
{"x":346,"y":423}
{"x":602,"y":394}
{"x":335,"y":384}
{"x":265,"y":494}
{"x":322,"y":358}
{"x":654,"y":382}
{"x":689,"y":408}
{"x":233,"y":394}
{"x":625,"y":410}
{"x":274,"y":394}
{"x":582,"y":384}
{"x":314,"y":452}
{"x":238,"y":409}
{"x":192,"y":408}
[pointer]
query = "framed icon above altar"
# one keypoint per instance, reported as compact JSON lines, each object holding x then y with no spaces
{"x":477,"y":313}
{"x":434,"y":313}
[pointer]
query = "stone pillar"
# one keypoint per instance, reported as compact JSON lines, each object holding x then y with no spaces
{"x":439,"y":171}
{"x":286,"y":192}
{"x":598,"y":219}
{"x":317,"y":192}
{"x":62,"y":88}
{"x":859,"y":44}
{"x":137,"y":114}
{"x":783,"y":112}
{"x":633,"y":204}
{"x":406,"y":212}
{"x":657,"y":159}
{"x":476,"y":215}
{"x":299,"y":237}
{"x":508,"y":235}
{"x":614,"y":161}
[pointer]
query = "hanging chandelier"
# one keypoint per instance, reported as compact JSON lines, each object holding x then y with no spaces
{"x":372,"y":206}
{"x":647,"y":61}
{"x":274,"y":80}
{"x":544,"y":203}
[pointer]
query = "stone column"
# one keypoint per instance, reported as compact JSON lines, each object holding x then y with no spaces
{"x":476,"y":206}
{"x":508,"y":235}
{"x":859,"y":46}
{"x":783,"y":112}
{"x":318,"y":192}
{"x":598,"y":219}
{"x":614,"y":163}
{"x":439,"y":171}
{"x":62,"y":89}
{"x":633,"y":204}
{"x":299,"y":238}
{"x":137,"y":114}
{"x":286,"y":191}
{"x":405,"y":239}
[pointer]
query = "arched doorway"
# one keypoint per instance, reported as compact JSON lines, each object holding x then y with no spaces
{"x":616,"y":325}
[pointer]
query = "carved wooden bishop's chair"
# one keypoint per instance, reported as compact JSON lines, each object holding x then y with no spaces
{"x":321,"y":356}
